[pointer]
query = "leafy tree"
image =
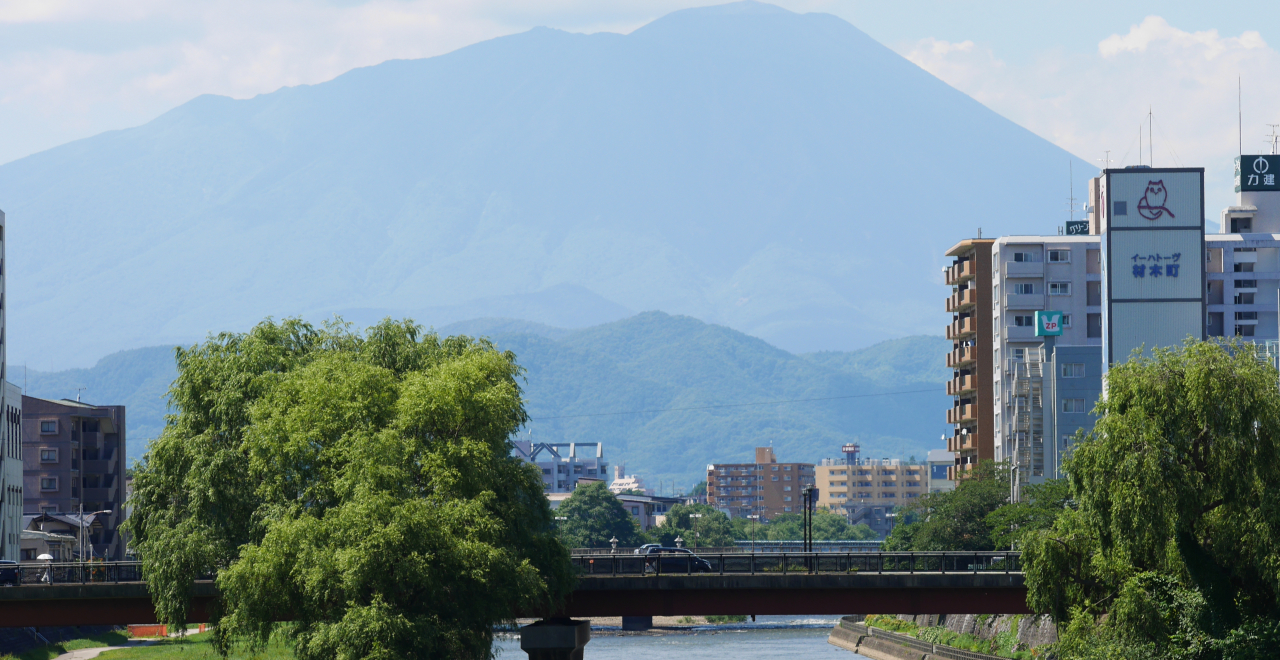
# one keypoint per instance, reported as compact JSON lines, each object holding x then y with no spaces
{"x":827,"y":526}
{"x":1040,"y":506}
{"x":1174,"y":548}
{"x":712,"y":529}
{"x":362,"y":483}
{"x":699,"y":489}
{"x":955,"y":520}
{"x":594,"y":515}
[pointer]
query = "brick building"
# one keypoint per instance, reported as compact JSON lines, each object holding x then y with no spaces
{"x":765,"y":488}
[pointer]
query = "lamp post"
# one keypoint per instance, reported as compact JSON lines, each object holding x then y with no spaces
{"x":679,"y":542}
{"x":694,"y":527}
{"x":82,"y":535}
{"x":613,"y":545}
{"x":753,"y":519}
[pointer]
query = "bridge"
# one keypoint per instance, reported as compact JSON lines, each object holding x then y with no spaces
{"x":627,"y":585}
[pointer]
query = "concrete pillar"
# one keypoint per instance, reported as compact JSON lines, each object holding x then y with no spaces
{"x":555,"y":639}
{"x":637,"y":622}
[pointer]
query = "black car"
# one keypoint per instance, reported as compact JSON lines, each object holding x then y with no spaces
{"x":9,"y":572}
{"x":673,"y":560}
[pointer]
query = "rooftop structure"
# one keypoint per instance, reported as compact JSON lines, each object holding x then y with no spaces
{"x":564,"y":463}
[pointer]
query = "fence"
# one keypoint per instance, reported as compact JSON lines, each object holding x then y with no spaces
{"x":797,"y":562}
{"x":70,"y":573}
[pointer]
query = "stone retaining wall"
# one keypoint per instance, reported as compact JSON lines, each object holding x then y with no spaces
{"x":1031,"y":630}
{"x":879,"y":644}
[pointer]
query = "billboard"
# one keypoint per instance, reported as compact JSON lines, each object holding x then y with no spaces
{"x":1077,"y":228}
{"x":1254,"y":173}
{"x":1049,"y":324}
{"x":1153,"y":259}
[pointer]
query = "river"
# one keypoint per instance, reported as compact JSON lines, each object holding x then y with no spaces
{"x":769,"y":637}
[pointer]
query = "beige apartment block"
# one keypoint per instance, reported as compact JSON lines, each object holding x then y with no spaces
{"x":765,"y":488}
{"x":870,"y":483}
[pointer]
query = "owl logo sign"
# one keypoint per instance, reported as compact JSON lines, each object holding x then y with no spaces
{"x":1151,"y":206}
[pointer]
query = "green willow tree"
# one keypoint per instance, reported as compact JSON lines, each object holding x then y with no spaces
{"x":359,"y":486}
{"x":1173,"y":548}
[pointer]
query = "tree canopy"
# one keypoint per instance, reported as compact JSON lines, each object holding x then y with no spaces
{"x":364,"y":484}
{"x":710,"y":529}
{"x":1173,"y":549}
{"x":827,"y":526}
{"x":593,"y":515}
{"x":954,"y":520}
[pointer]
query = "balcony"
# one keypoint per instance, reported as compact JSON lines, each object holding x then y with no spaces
{"x":960,"y":356}
{"x":960,"y":328}
{"x":1024,"y":269}
{"x":1024,"y":301}
{"x":961,"y":413}
{"x":962,"y":442}
{"x":960,"y":272}
{"x":962,"y":299}
{"x":961,"y":384}
{"x":957,"y":472}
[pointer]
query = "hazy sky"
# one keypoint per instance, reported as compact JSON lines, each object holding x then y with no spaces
{"x":1079,"y":73}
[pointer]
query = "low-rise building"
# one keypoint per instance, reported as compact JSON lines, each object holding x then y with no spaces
{"x":868,"y":490}
{"x":564,"y":463}
{"x":939,"y":477}
{"x":624,"y":483}
{"x":764,"y":488}
{"x":59,"y":535}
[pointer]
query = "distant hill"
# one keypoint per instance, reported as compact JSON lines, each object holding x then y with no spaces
{"x":781,"y":174}
{"x":692,"y":378}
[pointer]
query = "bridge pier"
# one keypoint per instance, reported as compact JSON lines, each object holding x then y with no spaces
{"x":637,"y":622}
{"x":555,"y":639}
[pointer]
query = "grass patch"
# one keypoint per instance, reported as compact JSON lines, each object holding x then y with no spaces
{"x":726,"y":618}
{"x":197,"y":647}
{"x":50,"y":651}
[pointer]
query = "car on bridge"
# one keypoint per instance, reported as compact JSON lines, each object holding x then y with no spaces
{"x":660,"y":559}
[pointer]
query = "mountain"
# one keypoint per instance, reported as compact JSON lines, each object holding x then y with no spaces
{"x":781,"y":174}
{"x":665,"y":394}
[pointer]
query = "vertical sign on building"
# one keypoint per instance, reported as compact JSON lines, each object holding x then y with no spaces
{"x":1153,"y":251}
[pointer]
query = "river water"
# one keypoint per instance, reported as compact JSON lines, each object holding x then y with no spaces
{"x":769,"y":637}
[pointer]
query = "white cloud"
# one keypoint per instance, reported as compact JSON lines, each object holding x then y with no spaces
{"x":1094,"y":102}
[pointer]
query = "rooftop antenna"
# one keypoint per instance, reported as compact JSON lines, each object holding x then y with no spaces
{"x":1151,"y":144}
{"x":1239,"y":117}
{"x":78,"y":391}
{"x":1275,"y":139}
{"x":1139,"y":144}
{"x":1071,"y":192}
{"x":1106,"y":162}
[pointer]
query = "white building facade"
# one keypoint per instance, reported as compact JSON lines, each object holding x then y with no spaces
{"x":1030,"y":274}
{"x":10,"y":439}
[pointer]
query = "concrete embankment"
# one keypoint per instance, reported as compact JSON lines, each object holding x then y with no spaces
{"x":852,"y":635}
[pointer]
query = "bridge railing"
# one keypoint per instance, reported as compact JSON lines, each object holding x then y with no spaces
{"x":797,"y":562}
{"x":70,"y":573}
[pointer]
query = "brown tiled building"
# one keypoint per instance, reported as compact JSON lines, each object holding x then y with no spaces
{"x":765,"y":488}
{"x":73,"y":456}
{"x":970,"y":359}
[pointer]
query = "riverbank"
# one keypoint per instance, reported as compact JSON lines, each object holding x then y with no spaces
{"x":877,"y":643}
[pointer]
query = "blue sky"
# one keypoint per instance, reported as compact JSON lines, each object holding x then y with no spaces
{"x":1081,"y":74}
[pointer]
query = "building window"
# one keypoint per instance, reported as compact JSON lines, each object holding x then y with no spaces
{"x":775,"y":468}
{"x":1119,"y":208}
{"x":48,"y":509}
{"x":1059,"y":288}
{"x":1066,"y":320}
{"x":787,"y":478}
{"x":1073,"y":406}
{"x":48,"y":426}
{"x":788,"y":488}
{"x":1019,"y":354}
{"x":48,"y":455}
{"x":1059,"y":256}
{"x":1246,"y":316}
{"x":48,"y":483}
{"x":775,"y":477}
{"x":1026,"y":257}
{"x":1024,"y":321}
{"x":1073,"y":370}
{"x":888,"y":494}
{"x":1024,"y":288}
{"x":786,"y":508}
{"x":786,"y":498}
{"x":1094,"y":326}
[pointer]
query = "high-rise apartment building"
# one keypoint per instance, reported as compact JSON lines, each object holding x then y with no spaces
{"x":74,"y":461}
{"x":10,"y":437}
{"x":970,"y":359}
{"x":1031,"y":274}
{"x":1243,"y":258}
{"x":765,"y":488}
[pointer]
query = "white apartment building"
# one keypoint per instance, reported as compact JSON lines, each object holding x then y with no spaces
{"x":563,"y":463}
{"x":10,"y":441}
{"x":1030,"y":274}
{"x":1243,"y":262}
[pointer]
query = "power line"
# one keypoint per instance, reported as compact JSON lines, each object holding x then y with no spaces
{"x":732,"y":405}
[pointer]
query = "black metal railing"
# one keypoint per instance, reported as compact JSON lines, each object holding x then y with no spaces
{"x":44,"y":573}
{"x":796,"y":562}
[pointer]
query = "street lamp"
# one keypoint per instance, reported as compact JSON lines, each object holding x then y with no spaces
{"x":753,"y":519}
{"x":106,"y":511}
{"x":695,"y":529}
{"x":679,"y":542}
{"x":613,"y":543}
